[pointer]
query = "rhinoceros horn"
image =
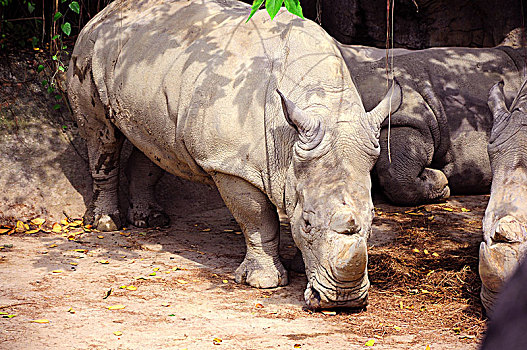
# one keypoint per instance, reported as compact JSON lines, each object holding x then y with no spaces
{"x":389,"y":105}
{"x":308,"y":128}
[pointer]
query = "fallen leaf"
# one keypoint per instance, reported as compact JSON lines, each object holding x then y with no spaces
{"x":42,"y":320}
{"x":20,"y":226}
{"x":329,"y":313}
{"x":427,"y":347}
{"x":103,"y":262}
{"x":172,"y":315}
{"x":415,"y":250}
{"x":464,"y":210}
{"x":56,"y":228}
{"x":456,"y":330}
{"x":206,"y":230}
{"x":52,"y":246}
{"x":155,"y":269}
{"x":118,"y":333}
{"x":165,"y":304}
{"x":131,"y":288}
{"x":64,"y":222}
{"x":182,"y":281}
{"x":6,"y":315}
{"x":71,"y":311}
{"x":74,"y":263}
{"x":38,"y":221}
{"x":435,"y":254}
{"x":425,"y":251}
{"x":228,"y":230}
{"x":448,"y":209}
{"x":126,"y":234}
{"x":100,"y":237}
{"x":397,"y":328}
{"x":238,"y":232}
{"x":116,"y":307}
{"x":153,"y":274}
{"x":225,"y":281}
{"x":431,"y":217}
{"x":4,"y":230}
{"x":258,"y":306}
{"x":80,"y":250}
{"x":370,"y":342}
{"x":216,"y":341}
{"x":57,"y":271}
{"x":297,"y":346}
{"x":108,"y":293}
{"x":32,"y":231}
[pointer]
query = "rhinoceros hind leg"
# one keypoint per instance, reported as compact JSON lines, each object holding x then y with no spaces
{"x":258,"y":219}
{"x":407,"y":179}
{"x":104,"y":143}
{"x":143,"y":176}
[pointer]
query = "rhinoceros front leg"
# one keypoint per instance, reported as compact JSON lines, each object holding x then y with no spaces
{"x":407,"y":179}
{"x":104,"y":143}
{"x":258,"y":219}
{"x":143,"y":176}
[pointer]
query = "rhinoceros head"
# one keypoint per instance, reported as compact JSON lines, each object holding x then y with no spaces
{"x":328,"y":198}
{"x":505,"y":222}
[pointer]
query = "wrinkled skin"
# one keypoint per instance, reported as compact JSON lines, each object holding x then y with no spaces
{"x":439,"y":135}
{"x":266,"y":111}
{"x":505,"y":223}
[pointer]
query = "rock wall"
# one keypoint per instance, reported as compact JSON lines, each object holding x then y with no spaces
{"x":418,"y":24}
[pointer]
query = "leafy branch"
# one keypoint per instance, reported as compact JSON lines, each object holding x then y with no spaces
{"x":273,"y":6}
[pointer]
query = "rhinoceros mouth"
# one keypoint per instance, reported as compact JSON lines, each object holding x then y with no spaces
{"x":350,"y":294}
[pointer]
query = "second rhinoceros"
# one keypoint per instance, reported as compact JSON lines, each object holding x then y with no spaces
{"x":266,"y":111}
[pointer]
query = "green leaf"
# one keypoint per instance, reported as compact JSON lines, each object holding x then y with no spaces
{"x":294,"y":7}
{"x":61,"y":68}
{"x":64,"y":47}
{"x":273,"y":6}
{"x":54,"y":57}
{"x":58,"y":97}
{"x":256,"y":5}
{"x":56,"y":107}
{"x":30,"y":7}
{"x":44,"y":82}
{"x":55,"y":37}
{"x":63,"y":1}
{"x":57,"y":16}
{"x":74,"y":6}
{"x":66,"y":28}
{"x":51,"y":89}
{"x":40,"y":68}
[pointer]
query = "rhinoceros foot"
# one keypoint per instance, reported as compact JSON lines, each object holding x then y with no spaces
{"x":260,"y":274}
{"x":103,"y":222}
{"x":141,"y":216}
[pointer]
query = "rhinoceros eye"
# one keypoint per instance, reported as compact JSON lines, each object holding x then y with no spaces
{"x":307,"y":226}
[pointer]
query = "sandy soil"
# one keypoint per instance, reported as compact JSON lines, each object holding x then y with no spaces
{"x":417,"y":298}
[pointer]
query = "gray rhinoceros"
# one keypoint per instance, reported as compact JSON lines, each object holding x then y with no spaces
{"x":439,"y":135}
{"x":194,"y":88}
{"x":505,"y":223}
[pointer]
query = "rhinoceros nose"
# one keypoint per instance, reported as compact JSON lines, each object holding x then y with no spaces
{"x":344,"y":222}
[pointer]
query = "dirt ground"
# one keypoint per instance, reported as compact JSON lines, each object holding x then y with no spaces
{"x":180,"y":289}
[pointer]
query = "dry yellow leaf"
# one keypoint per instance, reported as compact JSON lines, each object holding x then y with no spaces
{"x":448,"y":209}
{"x":116,"y":307}
{"x":104,"y":262}
{"x":238,"y":232}
{"x":71,"y":311}
{"x":52,"y":246}
{"x":415,"y":250}
{"x":20,"y":226}
{"x":131,"y":287}
{"x":431,"y":217}
{"x":57,"y":271}
{"x":4,"y":230}
{"x":126,"y":234}
{"x":435,"y":254}
{"x":74,"y":263}
{"x":425,"y":251}
{"x":56,"y":228}
{"x":370,"y":342}
{"x":397,"y":328}
{"x":100,"y":237}
{"x":464,"y":210}
{"x":42,"y":320}
{"x":225,"y":281}
{"x":182,"y":281}
{"x":206,"y":230}
{"x":32,"y":231}
{"x":427,"y":347}
{"x":228,"y":230}
{"x":329,"y":313}
{"x":64,"y":222}
{"x":216,"y":341}
{"x":297,"y":346}
{"x":38,"y":221}
{"x":155,"y":269}
{"x":80,"y":250}
{"x":118,"y":333}
{"x":258,"y":306}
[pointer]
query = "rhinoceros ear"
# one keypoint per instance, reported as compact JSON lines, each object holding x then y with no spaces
{"x":496,"y":102}
{"x":389,"y":105}
{"x":308,"y":128}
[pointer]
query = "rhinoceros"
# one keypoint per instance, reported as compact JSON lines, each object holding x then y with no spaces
{"x":439,"y":135}
{"x":505,"y":222}
{"x":265,"y":110}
